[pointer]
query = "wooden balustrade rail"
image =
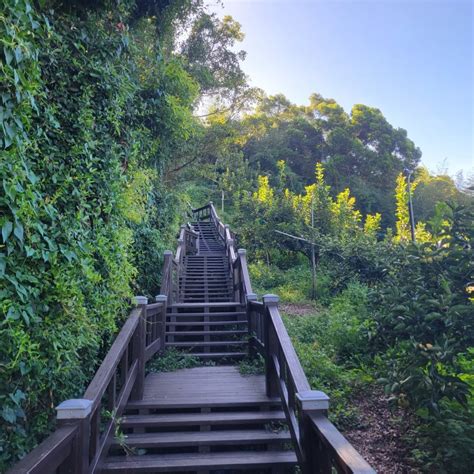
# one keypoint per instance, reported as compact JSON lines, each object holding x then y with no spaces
{"x":86,"y":426}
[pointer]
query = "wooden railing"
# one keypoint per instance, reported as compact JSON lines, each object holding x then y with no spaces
{"x":187,"y":245}
{"x":319,"y":446}
{"x":237,"y":259}
{"x":86,"y":426}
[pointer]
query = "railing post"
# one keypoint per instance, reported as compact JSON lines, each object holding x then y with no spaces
{"x":271,"y":346}
{"x":316,"y":457}
{"x":182,"y":240}
{"x":250,"y":297}
{"x":77,"y":411}
{"x":167,"y":287}
{"x":162,"y":299}
{"x":139,"y":348}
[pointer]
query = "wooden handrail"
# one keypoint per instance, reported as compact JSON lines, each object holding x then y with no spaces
{"x":53,"y":452}
{"x":82,"y":440}
{"x":341,"y":453}
{"x":319,"y":446}
{"x":96,"y":389}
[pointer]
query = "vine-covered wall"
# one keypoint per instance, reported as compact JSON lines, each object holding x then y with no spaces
{"x":91,"y":109}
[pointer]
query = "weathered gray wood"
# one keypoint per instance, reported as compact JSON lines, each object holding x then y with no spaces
{"x":106,"y":438}
{"x":202,"y":438}
{"x":345,"y":456}
{"x":50,"y":454}
{"x":153,"y":348}
{"x":196,"y":419}
{"x":191,"y":462}
{"x":104,"y":374}
{"x":224,"y":386}
{"x":297,"y":374}
{"x":139,"y":344}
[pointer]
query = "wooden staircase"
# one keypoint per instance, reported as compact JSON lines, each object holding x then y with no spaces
{"x":205,"y":420}
{"x":206,"y":321}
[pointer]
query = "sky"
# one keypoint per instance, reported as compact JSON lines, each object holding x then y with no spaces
{"x":412,"y":59}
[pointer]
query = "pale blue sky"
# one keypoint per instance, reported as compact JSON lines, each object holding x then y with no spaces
{"x":413,"y":59}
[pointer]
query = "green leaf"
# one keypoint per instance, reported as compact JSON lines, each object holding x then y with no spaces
{"x":8,"y":414}
{"x":18,"y":54}
{"x":19,"y":231}
{"x":8,"y":55}
{"x":6,"y":230}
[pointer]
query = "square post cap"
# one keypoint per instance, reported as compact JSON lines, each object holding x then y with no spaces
{"x":140,"y":300}
{"x":251,"y":297}
{"x":313,"y":400}
{"x":74,"y":409}
{"x":271,"y":300}
{"x":161,"y":298}
{"x":167,"y":252}
{"x":242,"y":252}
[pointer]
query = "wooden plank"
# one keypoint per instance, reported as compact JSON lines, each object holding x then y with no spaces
{"x":49,"y":455}
{"x":202,"y":438}
{"x":224,"y":386}
{"x":104,"y":374}
{"x":152,"y":349}
{"x":294,"y":365}
{"x":202,"y":305}
{"x":196,"y":419}
{"x":343,"y":453}
{"x":209,"y":333}
{"x":209,"y":323}
{"x":195,"y":461}
{"x":206,"y":343}
{"x":106,"y":438}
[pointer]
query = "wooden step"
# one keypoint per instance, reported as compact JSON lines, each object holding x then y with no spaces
{"x":203,"y":438}
{"x":204,"y":323}
{"x":194,"y":344}
{"x":217,"y":313}
{"x":197,"y":419}
{"x":217,"y":355}
{"x":198,"y":461}
{"x":205,"y":333}
{"x":204,"y":305}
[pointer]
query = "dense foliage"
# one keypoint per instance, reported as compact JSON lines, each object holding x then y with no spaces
{"x":95,"y":103}
{"x":392,"y":310}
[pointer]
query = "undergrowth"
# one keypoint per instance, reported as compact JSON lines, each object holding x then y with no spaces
{"x":173,"y":359}
{"x":252,"y":365}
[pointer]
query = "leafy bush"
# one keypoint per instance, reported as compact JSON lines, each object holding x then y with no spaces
{"x":86,"y":131}
{"x":424,"y":313}
{"x":330,"y":345}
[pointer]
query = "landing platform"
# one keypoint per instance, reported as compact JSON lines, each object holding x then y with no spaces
{"x":201,"y":387}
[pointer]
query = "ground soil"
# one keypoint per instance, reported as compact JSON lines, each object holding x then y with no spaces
{"x":381,"y":437}
{"x":298,"y":309}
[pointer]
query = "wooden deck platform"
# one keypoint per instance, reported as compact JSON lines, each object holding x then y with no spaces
{"x":203,"y":420}
{"x":204,"y":387}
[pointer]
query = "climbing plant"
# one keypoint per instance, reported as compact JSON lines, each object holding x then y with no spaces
{"x":93,"y":106}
